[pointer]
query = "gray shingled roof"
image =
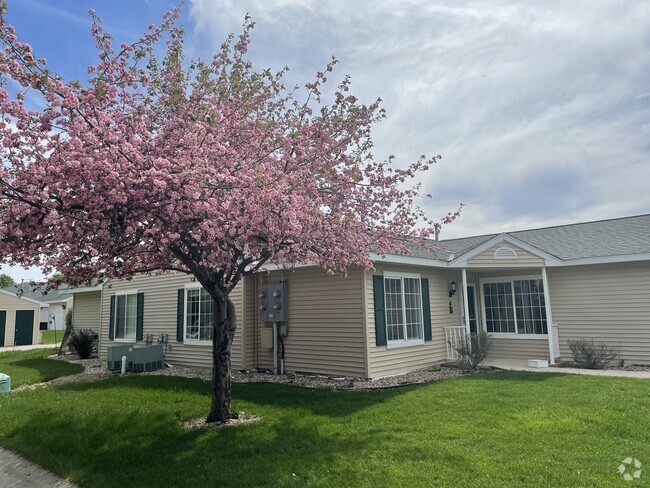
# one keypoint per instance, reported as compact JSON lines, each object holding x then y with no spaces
{"x":614,"y":237}
{"x":430,"y":249}
{"x":60,"y":295}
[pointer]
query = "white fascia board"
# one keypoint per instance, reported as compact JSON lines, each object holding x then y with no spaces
{"x":461,"y":262}
{"x":84,"y":289}
{"x":30,"y":300}
{"x":406,"y":259}
{"x":389,"y":258}
{"x":624,"y":258}
{"x":277,"y":267}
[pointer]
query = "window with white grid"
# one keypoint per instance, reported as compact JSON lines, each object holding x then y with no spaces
{"x":198,"y":319}
{"x":515,"y":306}
{"x":126,"y":316}
{"x":403,"y":302}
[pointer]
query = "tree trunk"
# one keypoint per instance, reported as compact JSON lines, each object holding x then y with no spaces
{"x":224,"y":331}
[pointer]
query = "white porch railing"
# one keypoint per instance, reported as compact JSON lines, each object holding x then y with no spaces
{"x":556,"y":342}
{"x":454,"y":337}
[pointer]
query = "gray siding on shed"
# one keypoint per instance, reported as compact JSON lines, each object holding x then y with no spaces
{"x":11,"y":304}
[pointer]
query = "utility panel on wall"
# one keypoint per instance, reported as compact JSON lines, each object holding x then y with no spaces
{"x":274,"y":303}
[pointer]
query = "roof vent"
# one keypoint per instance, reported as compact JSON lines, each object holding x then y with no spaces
{"x":505,"y":252}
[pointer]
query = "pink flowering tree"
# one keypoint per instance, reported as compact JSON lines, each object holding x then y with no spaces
{"x":209,"y":168}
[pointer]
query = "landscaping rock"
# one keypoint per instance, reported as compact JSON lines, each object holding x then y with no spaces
{"x":95,"y":369}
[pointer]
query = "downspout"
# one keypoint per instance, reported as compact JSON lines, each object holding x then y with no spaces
{"x":466,"y":304}
{"x":549,"y":316}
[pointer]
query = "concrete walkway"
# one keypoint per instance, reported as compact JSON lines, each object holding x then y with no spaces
{"x":28,"y":348}
{"x":522,"y":365}
{"x":17,"y":472}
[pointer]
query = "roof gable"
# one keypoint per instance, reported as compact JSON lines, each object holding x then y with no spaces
{"x":503,"y":252}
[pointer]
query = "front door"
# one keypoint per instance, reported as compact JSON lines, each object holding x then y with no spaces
{"x":24,"y":327}
{"x":471,"y":304}
{"x":3,"y":324}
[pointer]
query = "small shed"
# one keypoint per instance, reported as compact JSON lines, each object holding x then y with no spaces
{"x":19,"y":319}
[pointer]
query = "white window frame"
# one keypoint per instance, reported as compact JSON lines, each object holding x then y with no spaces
{"x":193,"y":342}
{"x":515,"y":334}
{"x":127,"y":340}
{"x":403,"y":342}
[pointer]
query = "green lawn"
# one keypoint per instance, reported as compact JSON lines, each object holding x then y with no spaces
{"x":51,"y":336}
{"x":27,"y":367}
{"x":503,"y":429}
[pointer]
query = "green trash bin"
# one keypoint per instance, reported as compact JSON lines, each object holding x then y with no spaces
{"x":5,"y":383}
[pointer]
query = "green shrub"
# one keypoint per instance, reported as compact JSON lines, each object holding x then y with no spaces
{"x":473,"y":350}
{"x":68,"y":318}
{"x":83,"y":342}
{"x":590,"y":355}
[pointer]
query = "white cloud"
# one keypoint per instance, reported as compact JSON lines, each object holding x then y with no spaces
{"x":540,"y":110}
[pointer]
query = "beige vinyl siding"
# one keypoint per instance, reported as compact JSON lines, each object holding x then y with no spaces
{"x":325,"y":322}
{"x":87,"y":310}
{"x":503,"y":348}
{"x":387,"y":362}
{"x":159,"y":316}
{"x":609,"y":303}
{"x":251,"y":322}
{"x":524,"y":259}
{"x":11,"y":304}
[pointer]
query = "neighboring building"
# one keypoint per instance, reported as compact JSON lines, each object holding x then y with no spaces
{"x":58,"y":302}
{"x":19,"y":319}
{"x":533,"y":291}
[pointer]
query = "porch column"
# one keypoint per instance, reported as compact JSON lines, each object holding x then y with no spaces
{"x":465,"y":303}
{"x":549,"y":316}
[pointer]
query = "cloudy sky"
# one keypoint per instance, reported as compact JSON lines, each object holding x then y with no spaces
{"x":541,"y":110}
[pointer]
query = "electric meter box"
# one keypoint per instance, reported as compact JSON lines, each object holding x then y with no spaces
{"x":274,"y":302}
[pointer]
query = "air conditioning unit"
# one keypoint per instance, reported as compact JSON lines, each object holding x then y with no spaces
{"x":5,"y":383}
{"x":115,"y":354}
{"x":148,"y":358}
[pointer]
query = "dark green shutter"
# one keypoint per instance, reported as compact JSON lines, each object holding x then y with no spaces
{"x":111,"y":322}
{"x":380,"y":310}
{"x":140,"y":315}
{"x":3,"y":326}
{"x":180,"y":314}
{"x":426,"y":308}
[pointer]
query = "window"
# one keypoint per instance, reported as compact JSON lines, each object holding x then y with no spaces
{"x":198,"y":316}
{"x":515,"y":306}
{"x":126,"y":316}
{"x":403,"y":298}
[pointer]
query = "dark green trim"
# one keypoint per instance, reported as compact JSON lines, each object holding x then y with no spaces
{"x":140,"y":318}
{"x":24,"y":328}
{"x":111,"y":321}
{"x":426,"y":309}
{"x":180,"y":314}
{"x":380,"y":310}
{"x":3,"y":326}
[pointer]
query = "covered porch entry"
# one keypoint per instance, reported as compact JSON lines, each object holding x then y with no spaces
{"x":503,"y":289}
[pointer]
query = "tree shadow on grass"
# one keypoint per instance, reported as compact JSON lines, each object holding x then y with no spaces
{"x":316,"y":401}
{"x":47,"y":369}
{"x":134,"y":436}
